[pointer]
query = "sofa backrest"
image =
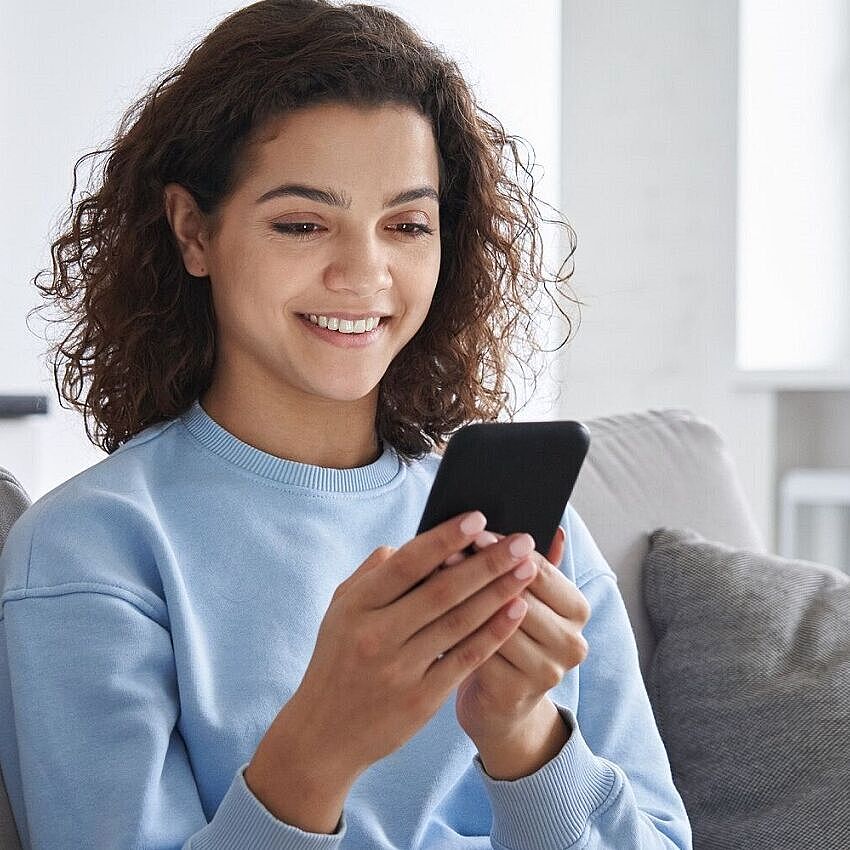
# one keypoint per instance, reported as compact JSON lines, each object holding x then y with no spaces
{"x":13,"y":502}
{"x":658,"y":468}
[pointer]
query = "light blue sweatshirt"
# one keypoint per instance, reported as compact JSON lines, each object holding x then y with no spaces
{"x":160,"y":607}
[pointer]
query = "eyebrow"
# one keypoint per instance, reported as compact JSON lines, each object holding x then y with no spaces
{"x":335,"y":198}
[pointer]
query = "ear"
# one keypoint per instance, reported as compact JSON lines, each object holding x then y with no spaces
{"x":188,"y":226}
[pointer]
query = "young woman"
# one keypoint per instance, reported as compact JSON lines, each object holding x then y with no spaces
{"x":301,"y":272}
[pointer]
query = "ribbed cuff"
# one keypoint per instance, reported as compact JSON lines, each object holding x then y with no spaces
{"x":241,"y":820}
{"x":549,"y":809}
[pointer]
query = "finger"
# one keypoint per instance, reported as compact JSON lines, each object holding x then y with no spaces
{"x":468,"y":655}
{"x":484,"y":539}
{"x":556,"y":550}
{"x":551,"y":586}
{"x":501,"y":677}
{"x":547,"y":630}
{"x":540,"y":669}
{"x":455,"y":602}
{"x":418,"y":558}
{"x":545,"y":646}
{"x":554,"y":589}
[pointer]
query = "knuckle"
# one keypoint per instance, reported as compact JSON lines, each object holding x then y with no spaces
{"x":391,"y":677}
{"x":367,"y":643}
{"x":470,"y":654}
{"x":342,"y":596}
{"x":578,"y":648}
{"x":565,"y":635}
{"x":552,"y":676}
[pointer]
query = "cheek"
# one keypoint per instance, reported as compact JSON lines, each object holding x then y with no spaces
{"x":246,"y":310}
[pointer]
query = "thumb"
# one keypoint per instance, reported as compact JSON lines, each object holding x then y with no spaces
{"x":556,"y":550}
{"x":378,"y":557}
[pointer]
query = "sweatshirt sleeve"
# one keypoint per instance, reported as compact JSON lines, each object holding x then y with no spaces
{"x":90,"y":745}
{"x":610,"y":787}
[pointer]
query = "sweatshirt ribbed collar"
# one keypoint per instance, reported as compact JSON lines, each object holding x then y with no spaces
{"x":219,"y":440}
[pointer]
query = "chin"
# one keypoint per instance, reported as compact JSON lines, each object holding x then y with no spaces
{"x":346,"y":394}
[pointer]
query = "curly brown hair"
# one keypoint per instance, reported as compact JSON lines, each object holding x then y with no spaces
{"x":144,"y":329}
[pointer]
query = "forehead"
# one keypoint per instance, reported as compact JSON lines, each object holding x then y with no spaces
{"x":342,"y":142}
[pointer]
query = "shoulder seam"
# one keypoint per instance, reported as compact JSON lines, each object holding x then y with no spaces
{"x":116,"y":591}
{"x":586,"y":578}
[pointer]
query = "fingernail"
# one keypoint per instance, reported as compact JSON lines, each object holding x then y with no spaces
{"x":473,"y":523}
{"x":521,"y":545}
{"x":524,"y":570}
{"x":454,"y":559}
{"x":486,"y":538}
{"x":517,"y":609}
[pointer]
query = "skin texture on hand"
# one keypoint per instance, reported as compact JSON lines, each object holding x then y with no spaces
{"x":534,"y":745}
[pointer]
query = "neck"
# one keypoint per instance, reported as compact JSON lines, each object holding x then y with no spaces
{"x":336,"y":435}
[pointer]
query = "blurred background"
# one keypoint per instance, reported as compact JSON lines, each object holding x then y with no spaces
{"x":700,"y":151}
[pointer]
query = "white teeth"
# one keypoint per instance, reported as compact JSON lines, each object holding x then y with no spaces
{"x":344,"y":325}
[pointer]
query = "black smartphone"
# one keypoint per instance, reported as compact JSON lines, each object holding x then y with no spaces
{"x":518,"y":474}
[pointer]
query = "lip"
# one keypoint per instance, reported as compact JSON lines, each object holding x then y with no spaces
{"x":342,"y":340}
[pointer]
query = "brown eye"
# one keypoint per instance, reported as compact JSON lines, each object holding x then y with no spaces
{"x":292,"y":229}
{"x":421,"y":229}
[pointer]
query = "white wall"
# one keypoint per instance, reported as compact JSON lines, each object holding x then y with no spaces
{"x":649,"y":177}
{"x":68,"y":71}
{"x":647,"y":180}
{"x":794,"y":223}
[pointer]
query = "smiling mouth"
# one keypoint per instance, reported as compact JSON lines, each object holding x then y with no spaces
{"x":382,"y":320}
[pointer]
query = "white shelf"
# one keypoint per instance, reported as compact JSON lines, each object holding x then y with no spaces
{"x":836,"y":379}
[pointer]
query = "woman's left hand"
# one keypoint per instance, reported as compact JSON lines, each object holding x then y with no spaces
{"x":497,"y":701}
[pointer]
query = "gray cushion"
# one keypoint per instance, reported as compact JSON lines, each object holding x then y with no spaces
{"x":750,"y":684}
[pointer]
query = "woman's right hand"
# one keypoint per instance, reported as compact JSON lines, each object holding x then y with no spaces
{"x":375,"y":676}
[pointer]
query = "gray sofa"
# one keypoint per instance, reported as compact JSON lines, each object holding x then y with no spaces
{"x":644,"y":470}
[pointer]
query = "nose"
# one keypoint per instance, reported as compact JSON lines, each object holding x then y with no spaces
{"x":360,"y":267}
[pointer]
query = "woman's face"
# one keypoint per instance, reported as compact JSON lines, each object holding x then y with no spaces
{"x":278,"y":255}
